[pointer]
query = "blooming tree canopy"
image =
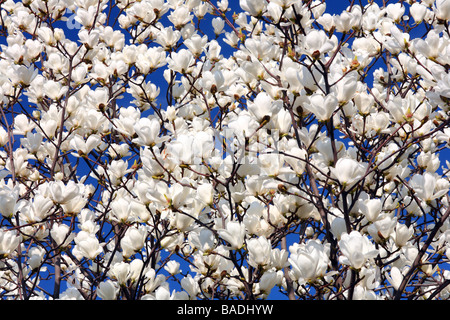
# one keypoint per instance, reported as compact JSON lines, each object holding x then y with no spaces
{"x":198,"y":149}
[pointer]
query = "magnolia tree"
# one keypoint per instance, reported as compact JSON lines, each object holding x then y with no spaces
{"x":191,"y":149}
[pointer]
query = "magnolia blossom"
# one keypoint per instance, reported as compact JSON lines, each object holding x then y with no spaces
{"x":268,"y":280}
{"x":309,"y":262}
{"x":182,"y":61}
{"x":203,"y":240}
{"x":395,"y":277}
{"x":108,"y":290}
{"x":322,"y":107}
{"x":8,"y":202}
{"x":259,"y":252}
{"x":442,"y":9}
{"x":121,"y":209}
{"x":356,"y":249}
{"x":191,"y":286}
{"x":418,"y":12}
{"x":54,"y":90}
{"x":63,"y":193}
{"x":133,"y":241}
{"x":371,"y":209}
{"x":62,"y":234}
{"x":87,"y":245}
{"x":382,"y":229}
{"x":83,"y":146}
{"x":234,"y":234}
{"x":205,"y":192}
{"x":9,"y":242}
{"x":428,"y":187}
{"x":264,"y":106}
{"x":172,"y":267}
{"x":402,"y":234}
{"x":120,"y":272}
{"x":224,"y":149}
{"x":253,"y":7}
{"x":147,"y":131}
{"x":348,"y":171}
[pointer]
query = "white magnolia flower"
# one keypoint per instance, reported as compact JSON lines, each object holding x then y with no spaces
{"x":259,"y":250}
{"x":121,"y":272}
{"x":253,"y":7}
{"x":9,"y":242}
{"x":322,"y":107}
{"x":263,"y":106}
{"x":371,"y":208}
{"x":402,"y":234}
{"x":356,"y":249}
{"x":148,"y":131}
{"x":84,"y":146}
{"x":133,"y":240}
{"x":418,"y":12}
{"x":205,"y":192}
{"x":395,"y":277}
{"x":8,"y":201}
{"x":203,"y":239}
{"x":181,"y":61}
{"x":54,"y":90}
{"x":443,"y":9}
{"x":108,"y":290}
{"x":191,"y":286}
{"x":234,"y":234}
{"x":87,"y":246}
{"x":121,"y":209}
{"x":317,"y":43}
{"x":180,"y":16}
{"x":268,"y":280}
{"x":62,"y":234}
{"x":382,"y":229}
{"x":309,"y":261}
{"x":348,"y":171}
{"x":427,"y":187}
{"x":137,"y":144}
{"x":172,"y":267}
{"x":63,"y":193}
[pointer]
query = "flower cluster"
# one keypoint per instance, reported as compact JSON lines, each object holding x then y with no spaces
{"x":181,"y":150}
